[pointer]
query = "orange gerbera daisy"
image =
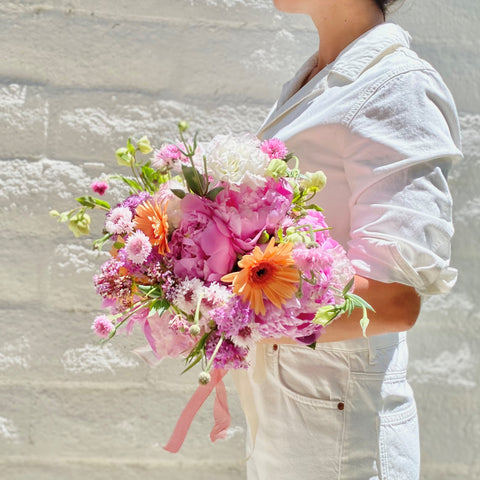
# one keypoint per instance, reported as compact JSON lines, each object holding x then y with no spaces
{"x":271,"y":272}
{"x":152,"y":220}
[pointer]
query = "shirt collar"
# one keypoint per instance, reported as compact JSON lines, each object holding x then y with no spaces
{"x":368,"y":49}
{"x":352,"y":61}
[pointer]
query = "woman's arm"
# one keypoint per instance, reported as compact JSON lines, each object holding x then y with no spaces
{"x":396,"y":309}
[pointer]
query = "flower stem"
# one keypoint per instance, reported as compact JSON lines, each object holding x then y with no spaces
{"x":214,"y":354}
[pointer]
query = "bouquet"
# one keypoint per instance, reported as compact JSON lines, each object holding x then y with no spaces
{"x":216,"y":247}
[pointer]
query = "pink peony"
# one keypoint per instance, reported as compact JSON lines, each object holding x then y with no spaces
{"x":274,"y":148}
{"x":202,"y":245}
{"x":248,"y":212}
{"x":99,"y":187}
{"x":102,"y":326}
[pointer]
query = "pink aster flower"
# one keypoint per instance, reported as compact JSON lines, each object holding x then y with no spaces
{"x":119,"y":221}
{"x":138,"y":247}
{"x":274,"y":148}
{"x":99,"y":187}
{"x":102,"y":326}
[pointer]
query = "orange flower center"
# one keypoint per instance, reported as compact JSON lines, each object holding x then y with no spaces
{"x":262,"y":274}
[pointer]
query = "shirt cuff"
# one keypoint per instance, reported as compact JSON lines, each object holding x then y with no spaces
{"x":400,"y":262}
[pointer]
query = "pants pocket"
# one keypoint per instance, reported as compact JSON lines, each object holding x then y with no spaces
{"x":314,"y":377}
{"x":399,"y":448}
{"x":301,"y":418}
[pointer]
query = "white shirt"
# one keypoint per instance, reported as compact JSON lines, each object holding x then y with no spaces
{"x":383,"y":127}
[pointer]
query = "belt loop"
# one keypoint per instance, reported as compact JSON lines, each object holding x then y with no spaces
{"x":372,"y":351}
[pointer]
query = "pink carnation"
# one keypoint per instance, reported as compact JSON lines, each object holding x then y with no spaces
{"x":99,"y":187}
{"x":102,"y":326}
{"x":274,"y":148}
{"x":138,"y":247}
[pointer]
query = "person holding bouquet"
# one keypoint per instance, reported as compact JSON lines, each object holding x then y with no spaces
{"x":382,"y":125}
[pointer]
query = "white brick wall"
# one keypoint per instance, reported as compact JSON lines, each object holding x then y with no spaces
{"x":76,"y":78}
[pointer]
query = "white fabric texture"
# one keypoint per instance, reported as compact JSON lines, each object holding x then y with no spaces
{"x":383,"y":127}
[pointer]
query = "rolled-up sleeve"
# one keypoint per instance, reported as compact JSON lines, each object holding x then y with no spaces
{"x":402,"y":141}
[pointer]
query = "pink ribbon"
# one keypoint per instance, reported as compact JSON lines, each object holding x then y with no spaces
{"x":221,"y":414}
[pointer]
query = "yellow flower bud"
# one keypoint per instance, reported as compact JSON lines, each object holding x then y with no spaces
{"x":182,"y":126}
{"x":315,"y":181}
{"x":124,"y":157}
{"x":277,"y":168}
{"x":79,"y":224}
{"x":325,"y":315}
{"x":144,"y":145}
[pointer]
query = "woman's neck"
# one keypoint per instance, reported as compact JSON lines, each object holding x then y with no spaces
{"x":339,"y":23}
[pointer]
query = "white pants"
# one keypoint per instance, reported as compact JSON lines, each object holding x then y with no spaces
{"x":343,"y":411}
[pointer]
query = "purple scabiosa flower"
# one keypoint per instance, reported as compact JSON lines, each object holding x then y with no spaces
{"x":134,"y":201}
{"x":233,"y":317}
{"x":103,"y":326}
{"x":119,"y":221}
{"x":138,"y":247}
{"x":99,"y":187}
{"x":274,"y":148}
{"x":228,"y":356}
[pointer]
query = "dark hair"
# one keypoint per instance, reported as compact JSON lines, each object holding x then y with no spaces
{"x":384,"y":4}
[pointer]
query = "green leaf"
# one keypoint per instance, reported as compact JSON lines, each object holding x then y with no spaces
{"x":193,"y":363}
{"x":212,"y":194}
{"x":130,"y":147}
{"x":92,"y":202}
{"x":159,"y":307}
{"x":313,"y":345}
{"x":179,"y":193}
{"x":133,"y":184}
{"x":151,"y":292}
{"x":195,"y":181}
{"x":349,"y":286}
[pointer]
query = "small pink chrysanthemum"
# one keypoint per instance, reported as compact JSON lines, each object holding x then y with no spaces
{"x":102,"y":326}
{"x":138,"y":247}
{"x":119,"y":221}
{"x":274,"y":148}
{"x":99,"y":187}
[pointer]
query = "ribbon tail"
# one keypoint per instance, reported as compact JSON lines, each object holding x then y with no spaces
{"x":220,"y":413}
{"x":190,"y":410}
